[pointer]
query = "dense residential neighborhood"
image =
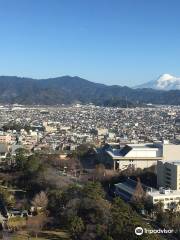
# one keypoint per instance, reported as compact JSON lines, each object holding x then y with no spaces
{"x":53,"y":158}
{"x":89,"y":120}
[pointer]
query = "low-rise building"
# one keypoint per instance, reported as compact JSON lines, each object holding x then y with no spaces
{"x":4,"y":149}
{"x":135,"y":155}
{"x":5,"y":138}
{"x":169,"y":198}
{"x":141,"y":155}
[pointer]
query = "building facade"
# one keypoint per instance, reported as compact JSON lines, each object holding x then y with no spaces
{"x":5,"y":138}
{"x":141,"y":155}
{"x":168,"y":174}
{"x":169,"y":198}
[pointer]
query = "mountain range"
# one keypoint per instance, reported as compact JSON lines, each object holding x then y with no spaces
{"x":70,"y":90}
{"x":163,"y":82}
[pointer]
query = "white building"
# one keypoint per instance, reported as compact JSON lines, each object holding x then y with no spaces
{"x":169,"y":198}
{"x":102,"y":131}
{"x":141,"y":155}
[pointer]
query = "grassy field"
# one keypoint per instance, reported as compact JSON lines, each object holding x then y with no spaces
{"x":45,"y":235}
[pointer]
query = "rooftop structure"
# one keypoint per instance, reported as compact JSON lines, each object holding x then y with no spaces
{"x":169,"y":198}
{"x":126,"y":189}
{"x":141,"y":155}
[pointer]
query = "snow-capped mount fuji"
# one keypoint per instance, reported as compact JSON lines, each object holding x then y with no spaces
{"x":164,"y":82}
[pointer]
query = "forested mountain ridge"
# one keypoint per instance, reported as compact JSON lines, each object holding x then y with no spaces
{"x":68,"y":90}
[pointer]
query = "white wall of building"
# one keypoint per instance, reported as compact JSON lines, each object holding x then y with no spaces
{"x":171,"y":152}
{"x":143,"y":152}
{"x":169,"y":199}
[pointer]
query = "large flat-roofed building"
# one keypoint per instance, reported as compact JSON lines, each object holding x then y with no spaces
{"x":141,"y":155}
{"x":126,"y":189}
{"x":168,"y":174}
{"x":169,"y":198}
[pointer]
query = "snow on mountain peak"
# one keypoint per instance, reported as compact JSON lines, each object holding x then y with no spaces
{"x":166,"y":77}
{"x":163,"y":82}
{"x":167,"y":82}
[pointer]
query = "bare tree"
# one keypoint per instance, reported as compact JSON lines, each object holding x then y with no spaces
{"x":139,"y":193}
{"x":40,"y":201}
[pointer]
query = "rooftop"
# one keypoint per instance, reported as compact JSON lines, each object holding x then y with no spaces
{"x":158,"y":193}
{"x":177,"y":162}
{"x":122,"y":151}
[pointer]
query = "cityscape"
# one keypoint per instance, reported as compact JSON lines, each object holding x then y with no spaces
{"x":47,"y":151}
{"x":89,"y":120}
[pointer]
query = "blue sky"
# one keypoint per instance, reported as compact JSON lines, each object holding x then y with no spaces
{"x":123,"y":42}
